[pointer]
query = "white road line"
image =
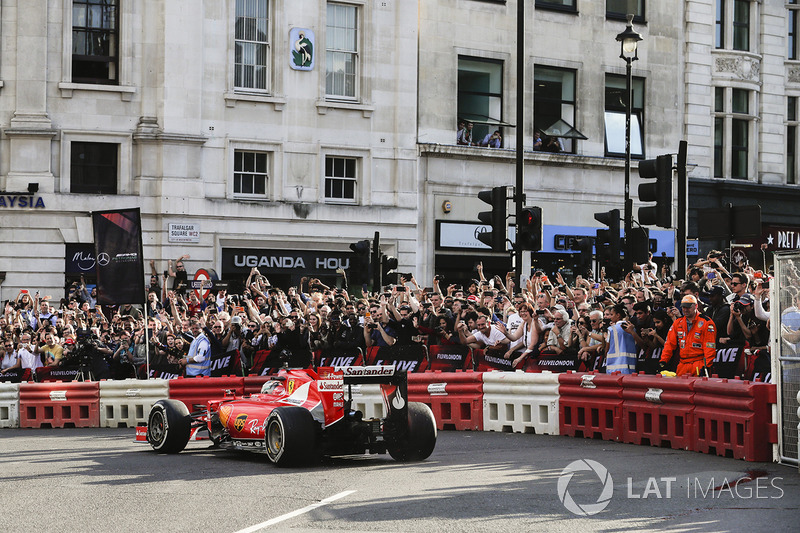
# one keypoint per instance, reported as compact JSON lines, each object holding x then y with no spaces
{"x":298,"y":512}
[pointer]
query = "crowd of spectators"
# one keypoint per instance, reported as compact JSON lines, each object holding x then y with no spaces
{"x":494,"y":139}
{"x":590,"y":320}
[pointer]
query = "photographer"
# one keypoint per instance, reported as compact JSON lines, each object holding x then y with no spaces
{"x":122,"y":361}
{"x":377,"y":331}
{"x":743,"y":326}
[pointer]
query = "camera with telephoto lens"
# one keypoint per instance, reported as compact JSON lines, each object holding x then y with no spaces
{"x":738,"y":307}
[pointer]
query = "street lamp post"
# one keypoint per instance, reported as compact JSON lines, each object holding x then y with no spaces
{"x":629,"y":40}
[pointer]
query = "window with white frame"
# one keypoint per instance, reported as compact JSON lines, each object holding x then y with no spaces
{"x":732,"y":130}
{"x":615,"y":111}
{"x":560,"y":5}
{"x":95,"y":41}
{"x":250,"y":173}
{"x":93,"y":167}
{"x":793,"y":51}
{"x":340,"y":178}
{"x":252,"y":46}
{"x":733,"y":24}
{"x":620,"y":9}
{"x":791,"y":140}
{"x":480,"y":95}
{"x":554,"y":100}
{"x":342,"y":51}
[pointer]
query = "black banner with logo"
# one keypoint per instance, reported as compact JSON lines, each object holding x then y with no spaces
{"x":118,"y":253}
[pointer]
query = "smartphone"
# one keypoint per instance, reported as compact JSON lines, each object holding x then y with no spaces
{"x":401,"y":289}
{"x":710,"y":275}
{"x":24,"y":291}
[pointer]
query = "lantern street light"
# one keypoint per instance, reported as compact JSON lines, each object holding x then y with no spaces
{"x":629,"y":40}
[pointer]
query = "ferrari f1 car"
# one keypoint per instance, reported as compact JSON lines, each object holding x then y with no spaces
{"x":301,"y":415}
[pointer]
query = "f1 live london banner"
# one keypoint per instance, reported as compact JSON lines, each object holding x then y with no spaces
{"x":118,"y":253}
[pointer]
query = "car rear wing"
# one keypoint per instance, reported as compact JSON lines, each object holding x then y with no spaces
{"x":393,"y":384}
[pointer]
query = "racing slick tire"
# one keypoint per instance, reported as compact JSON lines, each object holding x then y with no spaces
{"x":169,"y":426}
{"x":421,"y":438}
{"x":290,"y":436}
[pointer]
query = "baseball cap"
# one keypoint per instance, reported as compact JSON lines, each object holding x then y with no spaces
{"x":715,"y":290}
{"x":745,"y":299}
{"x":472,"y":298}
{"x":69,"y":341}
{"x":688,"y":300}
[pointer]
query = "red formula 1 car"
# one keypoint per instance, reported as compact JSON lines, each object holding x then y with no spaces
{"x":304,"y":414}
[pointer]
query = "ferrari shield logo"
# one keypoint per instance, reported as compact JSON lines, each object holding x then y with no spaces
{"x":239,"y":422}
{"x":290,"y":386}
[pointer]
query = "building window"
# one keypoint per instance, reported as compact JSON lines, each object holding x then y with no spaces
{"x":341,"y":73}
{"x":791,"y":140}
{"x":553,"y":101}
{"x":251,"y":59}
{"x":615,"y":116}
{"x":480,"y":95}
{"x":732,"y":132}
{"x":561,"y":5}
{"x":340,"y":179}
{"x":719,"y":38}
{"x":250,"y":174}
{"x":93,"y":167}
{"x":792,"y":31}
{"x":619,"y":9}
{"x":736,"y":35}
{"x":95,"y":44}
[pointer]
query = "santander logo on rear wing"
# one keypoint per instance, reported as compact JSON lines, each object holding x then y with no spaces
{"x":366,"y":371}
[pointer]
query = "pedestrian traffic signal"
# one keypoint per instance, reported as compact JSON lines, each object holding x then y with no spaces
{"x":638,"y":245}
{"x":608,"y":244}
{"x":496,"y":238}
{"x":529,"y":229}
{"x":388,"y":270}
{"x":585,"y":246}
{"x":659,"y":192}
{"x":360,"y":262}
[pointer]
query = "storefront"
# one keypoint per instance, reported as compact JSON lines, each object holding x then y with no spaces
{"x":458,"y":250}
{"x":283,"y":268}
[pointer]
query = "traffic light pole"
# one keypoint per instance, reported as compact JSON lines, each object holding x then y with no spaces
{"x":519,"y":190}
{"x":628,"y":264}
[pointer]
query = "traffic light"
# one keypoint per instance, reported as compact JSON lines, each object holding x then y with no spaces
{"x":638,"y":245}
{"x":360,"y":264}
{"x":388,"y":270}
{"x":608,"y":242}
{"x":496,"y":238}
{"x":529,"y":229}
{"x":584,"y":245}
{"x":659,"y":192}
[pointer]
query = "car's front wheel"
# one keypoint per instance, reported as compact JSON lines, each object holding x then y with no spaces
{"x":290,"y":436}
{"x":169,"y":426}
{"x":420,"y":439}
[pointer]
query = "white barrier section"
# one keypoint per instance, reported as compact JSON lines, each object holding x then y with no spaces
{"x":798,"y":430}
{"x":127,"y":402}
{"x":520,"y":402}
{"x":368,"y":399}
{"x":9,"y":405}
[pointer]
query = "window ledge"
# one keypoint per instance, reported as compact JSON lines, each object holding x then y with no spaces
{"x":324,"y":105}
{"x":254,"y":199}
{"x":277,"y":102}
{"x":337,"y":201}
{"x":125,"y":92}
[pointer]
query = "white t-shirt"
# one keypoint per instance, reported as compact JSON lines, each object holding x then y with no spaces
{"x":29,"y":359}
{"x":494,"y":338}
{"x":9,"y":360}
{"x":514,"y":322}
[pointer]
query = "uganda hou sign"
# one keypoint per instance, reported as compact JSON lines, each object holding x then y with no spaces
{"x":184,"y":233}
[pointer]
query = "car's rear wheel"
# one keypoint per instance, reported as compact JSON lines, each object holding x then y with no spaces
{"x":290,"y":436}
{"x":420,"y":439}
{"x":169,"y":426}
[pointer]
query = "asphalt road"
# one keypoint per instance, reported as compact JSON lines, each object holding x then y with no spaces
{"x":100,"y":480}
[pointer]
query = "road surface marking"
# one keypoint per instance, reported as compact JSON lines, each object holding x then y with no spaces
{"x":298,"y":512}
